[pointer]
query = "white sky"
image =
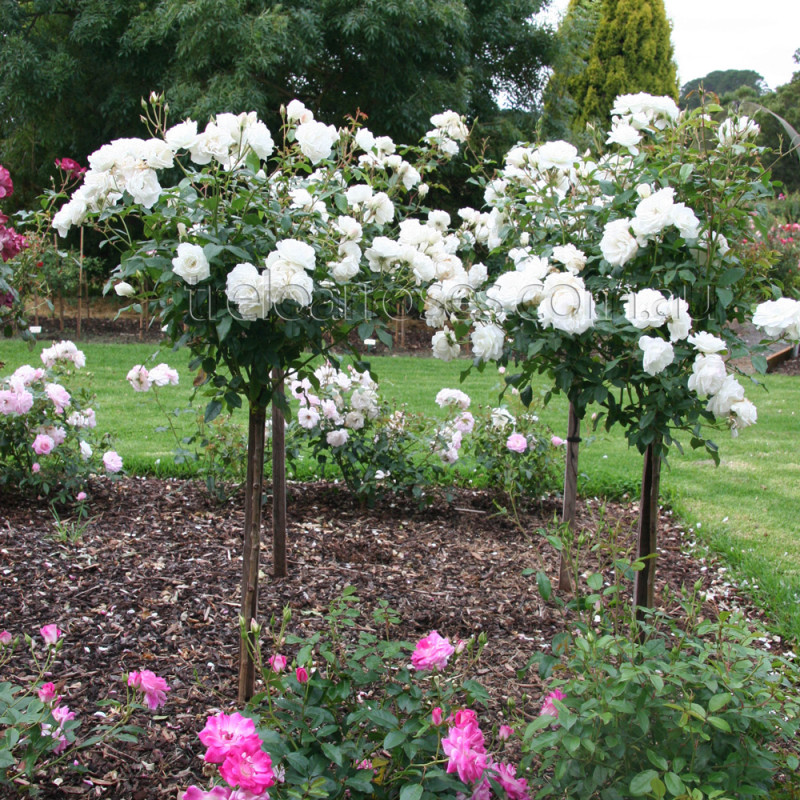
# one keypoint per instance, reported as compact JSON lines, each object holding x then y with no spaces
{"x":730,"y":34}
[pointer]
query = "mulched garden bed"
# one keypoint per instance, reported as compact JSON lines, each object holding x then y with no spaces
{"x":154,"y":584}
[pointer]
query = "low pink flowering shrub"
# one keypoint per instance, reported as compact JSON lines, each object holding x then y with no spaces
{"x":548,"y":707}
{"x":48,"y":438}
{"x":365,"y":724}
{"x":39,"y":732}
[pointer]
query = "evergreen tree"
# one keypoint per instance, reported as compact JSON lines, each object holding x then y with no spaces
{"x":631,"y":52}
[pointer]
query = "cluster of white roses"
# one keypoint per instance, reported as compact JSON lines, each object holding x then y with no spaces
{"x":779,"y":318}
{"x":449,"y":437}
{"x":344,"y":402}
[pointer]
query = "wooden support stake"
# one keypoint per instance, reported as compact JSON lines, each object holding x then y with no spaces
{"x":80,"y":286}
{"x":279,"y":569}
{"x":251,"y":550}
{"x":645,"y":580}
{"x":570,"y":491}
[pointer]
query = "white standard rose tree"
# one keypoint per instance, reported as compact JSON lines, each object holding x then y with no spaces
{"x":261,"y":257}
{"x":622,"y":281}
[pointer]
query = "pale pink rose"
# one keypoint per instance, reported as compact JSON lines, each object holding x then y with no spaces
{"x":47,"y":692}
{"x":35,"y":467}
{"x":277,"y":662}
{"x":548,"y":707}
{"x":139,"y":378}
{"x":224,"y":733}
{"x":301,"y":674}
{"x":517,"y":443}
{"x":163,"y":374}
{"x":154,"y":688}
{"x":505,"y":732}
{"x":43,"y":444}
{"x":432,"y":651}
{"x":58,"y":395}
{"x":557,"y":441}
{"x":50,"y":633}
{"x":460,"y":646}
{"x":112,"y":461}
{"x":5,"y":638}
{"x":81,"y":496}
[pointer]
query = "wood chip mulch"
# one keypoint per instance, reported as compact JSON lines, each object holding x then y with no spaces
{"x":154,"y":584}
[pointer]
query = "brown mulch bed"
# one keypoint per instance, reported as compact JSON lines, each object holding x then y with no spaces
{"x":791,"y":366}
{"x":154,"y":584}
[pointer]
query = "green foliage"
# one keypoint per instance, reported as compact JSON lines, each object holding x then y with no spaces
{"x":668,"y":709}
{"x":631,"y":52}
{"x":72,"y":73}
{"x":721,"y":82}
{"x":785,"y":102}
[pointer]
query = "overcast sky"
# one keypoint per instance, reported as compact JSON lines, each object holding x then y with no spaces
{"x":731,"y":34}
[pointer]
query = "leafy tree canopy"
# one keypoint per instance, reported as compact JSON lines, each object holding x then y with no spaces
{"x":722,"y":82}
{"x":72,"y":72}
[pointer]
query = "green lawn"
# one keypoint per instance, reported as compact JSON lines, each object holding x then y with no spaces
{"x":748,"y":507}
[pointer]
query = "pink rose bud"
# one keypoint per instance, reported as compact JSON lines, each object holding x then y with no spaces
{"x":461,"y":645}
{"x":436,"y":716}
{"x":277,"y":662}
{"x":35,"y":466}
{"x":47,"y":692}
{"x":557,"y":441}
{"x":50,"y":633}
{"x":301,"y":674}
{"x":81,"y":496}
{"x":5,"y":638}
{"x":505,"y":733}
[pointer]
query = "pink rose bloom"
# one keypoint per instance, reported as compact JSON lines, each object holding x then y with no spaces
{"x":43,"y":444}
{"x":557,"y":441}
{"x":548,"y":707}
{"x":466,"y":753}
{"x":505,"y":733}
{"x":27,"y":374}
{"x":6,"y":184}
{"x":517,"y":443}
{"x":217,"y":793}
{"x":35,"y":467}
{"x":163,"y":374}
{"x":71,"y":167}
{"x":139,"y":378}
{"x":154,"y":688}
{"x":23,"y":402}
{"x":81,"y":496}
{"x":301,"y":674}
{"x":465,"y":422}
{"x":6,"y":638}
{"x":47,"y":692}
{"x":248,"y":769}
{"x":224,"y":733}
{"x":112,"y":462}
{"x":277,"y":662}
{"x":436,"y":716}
{"x":515,"y":788}
{"x":50,"y":633}
{"x":432,"y":651}
{"x":61,"y":714}
{"x":58,"y":395}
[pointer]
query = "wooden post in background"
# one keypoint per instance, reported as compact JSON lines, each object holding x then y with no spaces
{"x":279,"y":569}
{"x":645,"y":580}
{"x":251,"y":549}
{"x":570,"y":491}
{"x":80,"y":286}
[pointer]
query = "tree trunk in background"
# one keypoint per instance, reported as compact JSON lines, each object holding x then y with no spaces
{"x":570,"y":490}
{"x":279,"y":568}
{"x":251,"y":549}
{"x":644,"y":583}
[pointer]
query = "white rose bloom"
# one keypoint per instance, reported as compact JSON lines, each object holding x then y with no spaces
{"x":559,"y":155}
{"x":685,"y":220}
{"x":644,"y":190}
{"x":349,"y":228}
{"x":658,"y":354}
{"x":354,"y":420}
{"x":707,"y":343}
{"x":191,"y":263}
{"x":409,"y":175}
{"x":478,"y":275}
{"x":358,"y":194}
{"x":244,"y":287}
{"x":365,"y":139}
{"x":679,"y":322}
{"x":646,"y":308}
{"x":182,"y":136}
{"x":566,"y":304}
{"x":653,"y":213}
{"x":440,"y":220}
{"x":379,"y":209}
{"x":570,"y":256}
{"x":743,"y":413}
{"x":143,"y":186}
{"x":71,"y":213}
{"x":295,"y":253}
{"x":708,"y":374}
{"x":316,"y":140}
{"x":384,"y":255}
{"x":625,"y":136}
{"x":729,"y":393}
{"x":445,"y":347}
{"x":618,"y":245}
{"x":516,"y":288}
{"x":501,"y":418}
{"x":487,"y":341}
{"x":307,"y":417}
{"x":423,"y":267}
{"x":778,"y":318}
{"x":86,"y":451}
{"x":297,"y":112}
{"x":124,"y":289}
{"x":451,"y":125}
{"x":338,"y":437}
{"x":734,"y":130}
{"x":282,"y":281}
{"x":344,"y":270}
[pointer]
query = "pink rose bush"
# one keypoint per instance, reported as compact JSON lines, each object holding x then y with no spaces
{"x":48,"y":438}
{"x":152,"y":687}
